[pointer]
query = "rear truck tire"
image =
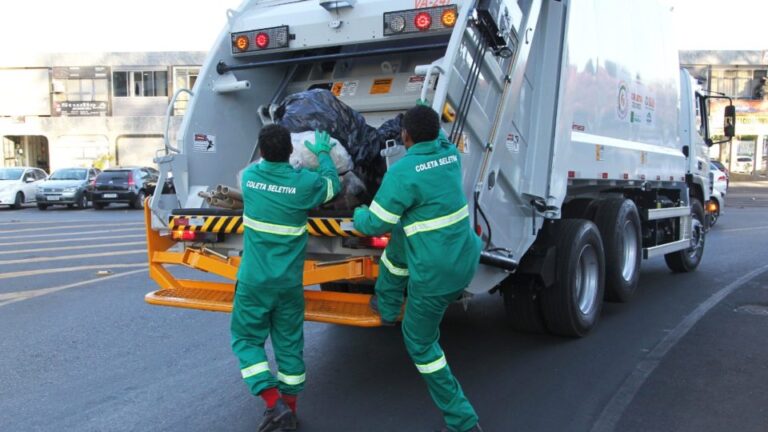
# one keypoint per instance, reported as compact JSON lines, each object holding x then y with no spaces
{"x":82,"y":203}
{"x":138,"y":202}
{"x":42,"y":206}
{"x":688,"y":260}
{"x":571,"y":305}
{"x":580,"y":208}
{"x":522,"y":305}
{"x":98,"y":206}
{"x":619,"y":225}
{"x":18,"y":201}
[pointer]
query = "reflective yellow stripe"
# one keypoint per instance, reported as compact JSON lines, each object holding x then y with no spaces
{"x":395,"y":270}
{"x":437,"y":223}
{"x":291,"y":379}
{"x":254,"y":370}
{"x":432,"y":367}
{"x":286,"y":230}
{"x":329,"y":188}
{"x":383,"y":214}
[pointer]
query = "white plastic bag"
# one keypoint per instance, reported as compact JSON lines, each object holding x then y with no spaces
{"x":303,"y":158}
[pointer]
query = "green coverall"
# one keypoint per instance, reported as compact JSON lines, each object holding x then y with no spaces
{"x":269,"y":300}
{"x":434,"y":251}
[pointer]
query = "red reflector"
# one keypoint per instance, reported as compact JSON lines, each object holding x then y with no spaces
{"x":604,"y":175}
{"x":262,"y":40}
{"x":423,"y":21}
{"x":479,"y":229}
{"x":379,"y":242}
{"x":571,"y":174}
{"x":181,"y":221}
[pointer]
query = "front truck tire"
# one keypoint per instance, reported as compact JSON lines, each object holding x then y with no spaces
{"x":521,"y":303}
{"x":619,"y":225}
{"x":688,"y":260}
{"x":572,"y":304}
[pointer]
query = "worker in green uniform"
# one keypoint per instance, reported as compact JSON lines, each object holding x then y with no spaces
{"x":432,"y":250}
{"x":269,"y":298}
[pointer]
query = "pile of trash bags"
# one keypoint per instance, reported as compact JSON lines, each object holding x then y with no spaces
{"x":302,"y":113}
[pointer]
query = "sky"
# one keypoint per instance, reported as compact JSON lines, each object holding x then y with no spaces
{"x":192,"y":25}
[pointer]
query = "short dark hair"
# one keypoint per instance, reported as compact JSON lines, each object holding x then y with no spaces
{"x":422,"y":123}
{"x":275,"y":143}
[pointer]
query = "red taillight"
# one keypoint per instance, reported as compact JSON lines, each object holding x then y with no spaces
{"x":262,"y":40}
{"x":379,"y":242}
{"x":721,"y":178}
{"x":184,"y":235}
{"x":422,"y":21}
{"x":130,"y":180}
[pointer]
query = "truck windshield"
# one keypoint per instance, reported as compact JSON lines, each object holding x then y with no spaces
{"x":69,"y":174}
{"x":11,"y":173}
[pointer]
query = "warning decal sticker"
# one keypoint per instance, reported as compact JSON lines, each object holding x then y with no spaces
{"x":204,"y":143}
{"x":381,"y":86}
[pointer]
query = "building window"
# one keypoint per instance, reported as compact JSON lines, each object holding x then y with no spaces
{"x":140,"y":83}
{"x":738,"y":83}
{"x":184,"y":77}
{"x":80,"y":91}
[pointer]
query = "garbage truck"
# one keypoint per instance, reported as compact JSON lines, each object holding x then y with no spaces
{"x":583,"y":147}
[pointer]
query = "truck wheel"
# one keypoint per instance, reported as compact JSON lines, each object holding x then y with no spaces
{"x":619,"y":225}
{"x":521,"y":303}
{"x":687,"y":260}
{"x":83,"y":202}
{"x":138,"y":202}
{"x":18,"y":202}
{"x":571,"y":306}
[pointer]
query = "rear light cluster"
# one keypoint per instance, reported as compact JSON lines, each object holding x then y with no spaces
{"x":131,"y":182}
{"x":379,"y":242}
{"x":420,"y":20}
{"x":260,"y":40}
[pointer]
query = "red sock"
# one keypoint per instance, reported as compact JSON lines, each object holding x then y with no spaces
{"x":270,"y":396}
{"x":290,"y":400}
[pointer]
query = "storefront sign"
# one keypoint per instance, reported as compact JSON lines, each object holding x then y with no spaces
{"x":81,"y":108}
{"x":81,"y":72}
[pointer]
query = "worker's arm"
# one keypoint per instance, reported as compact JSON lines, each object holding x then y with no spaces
{"x":391,"y":201}
{"x":327,"y":184}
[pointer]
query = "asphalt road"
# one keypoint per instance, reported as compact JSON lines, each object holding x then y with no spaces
{"x":81,"y":351}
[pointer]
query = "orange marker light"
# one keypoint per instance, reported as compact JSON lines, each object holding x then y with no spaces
{"x":241,"y":43}
{"x":449,"y":17}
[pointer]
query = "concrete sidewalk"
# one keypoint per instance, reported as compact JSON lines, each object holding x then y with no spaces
{"x":715,"y":379}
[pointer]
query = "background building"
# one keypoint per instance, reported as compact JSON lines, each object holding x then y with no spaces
{"x":742,"y":75}
{"x":90,"y":109}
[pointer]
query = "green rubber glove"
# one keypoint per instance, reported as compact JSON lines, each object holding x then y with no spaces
{"x":322,"y":143}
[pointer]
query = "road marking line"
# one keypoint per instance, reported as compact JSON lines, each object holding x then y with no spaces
{"x":18,"y":222}
{"x":24,"y":273}
{"x":614,"y":410}
{"x":744,"y":229}
{"x":102,"y":245}
{"x":73,"y":240}
{"x":6,"y":299}
{"x":64,"y":227}
{"x":68,"y":257}
{"x":71,"y":234}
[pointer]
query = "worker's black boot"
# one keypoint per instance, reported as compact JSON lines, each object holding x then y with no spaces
{"x":476,"y":428}
{"x":278,"y":418}
{"x":374,"y":304}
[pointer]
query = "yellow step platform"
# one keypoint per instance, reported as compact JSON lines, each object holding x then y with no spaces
{"x":320,"y":306}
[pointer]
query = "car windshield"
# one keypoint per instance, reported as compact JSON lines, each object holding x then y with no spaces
{"x":69,"y":174}
{"x":11,"y":173}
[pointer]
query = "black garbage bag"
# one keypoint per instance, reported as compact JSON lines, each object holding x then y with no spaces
{"x":390,"y":129}
{"x":320,"y":109}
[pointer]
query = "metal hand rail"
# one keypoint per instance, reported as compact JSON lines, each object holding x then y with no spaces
{"x":168,"y":113}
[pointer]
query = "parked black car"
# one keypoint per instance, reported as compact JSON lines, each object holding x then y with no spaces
{"x":66,"y":186}
{"x":128,"y":185}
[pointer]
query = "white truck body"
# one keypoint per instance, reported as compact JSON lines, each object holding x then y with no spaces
{"x":591,"y":103}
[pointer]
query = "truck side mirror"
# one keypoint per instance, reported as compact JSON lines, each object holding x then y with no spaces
{"x":729,"y":125}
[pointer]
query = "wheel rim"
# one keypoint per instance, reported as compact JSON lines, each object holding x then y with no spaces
{"x":629,"y":259}
{"x":587,"y":271}
{"x":697,"y":238}
{"x":141,"y":199}
{"x":83,"y":201}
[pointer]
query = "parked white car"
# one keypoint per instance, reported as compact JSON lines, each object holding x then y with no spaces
{"x":18,"y":185}
{"x":743,"y":164}
{"x":719,"y":190}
